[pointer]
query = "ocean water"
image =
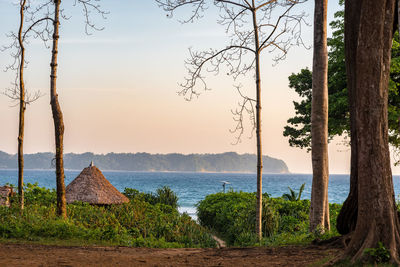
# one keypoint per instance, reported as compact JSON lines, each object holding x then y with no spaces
{"x":192,"y":187}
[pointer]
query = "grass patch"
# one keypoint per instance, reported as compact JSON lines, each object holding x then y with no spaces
{"x":148,"y":220}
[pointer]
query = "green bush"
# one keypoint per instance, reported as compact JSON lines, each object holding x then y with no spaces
{"x":141,"y":222}
{"x":164,"y":195}
{"x":232,"y":217}
{"x":379,"y":254}
{"x":35,"y":194}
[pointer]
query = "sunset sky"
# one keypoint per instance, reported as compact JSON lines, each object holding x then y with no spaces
{"x":118,"y":88}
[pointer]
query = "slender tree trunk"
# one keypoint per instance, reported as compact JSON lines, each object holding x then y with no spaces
{"x":377,"y":219}
{"x":347,"y":218}
{"x":22,"y":107}
{"x":57,"y":116}
{"x":258,"y":129}
{"x":319,"y":211}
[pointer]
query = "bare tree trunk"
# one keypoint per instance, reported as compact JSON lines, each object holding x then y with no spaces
{"x":258,"y":129}
{"x":319,"y":211}
{"x":22,"y":107}
{"x":377,"y":219}
{"x":57,"y":116}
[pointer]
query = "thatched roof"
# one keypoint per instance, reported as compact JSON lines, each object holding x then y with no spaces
{"x":5,"y":193}
{"x":91,"y":186}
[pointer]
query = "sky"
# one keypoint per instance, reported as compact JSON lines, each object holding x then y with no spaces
{"x":118,"y":88}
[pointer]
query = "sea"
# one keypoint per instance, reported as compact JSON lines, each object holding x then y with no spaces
{"x":191,"y":187}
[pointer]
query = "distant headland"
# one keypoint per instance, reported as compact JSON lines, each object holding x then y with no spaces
{"x":224,"y":162}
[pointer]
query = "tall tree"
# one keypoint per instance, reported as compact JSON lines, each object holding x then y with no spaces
{"x":44,"y":24}
{"x":55,"y":104}
{"x":368,"y":41}
{"x":57,"y":115}
{"x":18,"y":92}
{"x":253,"y":26}
{"x":299,"y":126}
{"x":22,"y":107}
{"x":298,"y":129}
{"x":319,"y":210}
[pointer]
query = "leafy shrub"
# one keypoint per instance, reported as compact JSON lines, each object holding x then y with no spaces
{"x":137,"y":223}
{"x":39,"y":195}
{"x":232,"y":217}
{"x":136,"y":194}
{"x":164,"y":195}
{"x":293,"y":196}
{"x":379,"y":254}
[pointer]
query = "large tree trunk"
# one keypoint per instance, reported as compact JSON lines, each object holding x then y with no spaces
{"x":319,"y":211}
{"x":57,"y":116}
{"x":347,"y":218}
{"x":21,"y":108}
{"x":258,"y":130}
{"x":377,"y":219}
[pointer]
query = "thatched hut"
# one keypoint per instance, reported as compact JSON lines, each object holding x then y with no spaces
{"x":92,"y":187}
{"x":5,"y":193}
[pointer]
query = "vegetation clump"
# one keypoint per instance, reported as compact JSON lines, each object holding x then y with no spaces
{"x":148,"y":220}
{"x":379,"y":254}
{"x":232,"y":217}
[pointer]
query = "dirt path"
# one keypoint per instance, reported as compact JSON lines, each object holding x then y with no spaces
{"x":220,"y":243}
{"x":38,"y":255}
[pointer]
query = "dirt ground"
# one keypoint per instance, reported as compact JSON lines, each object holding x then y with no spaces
{"x":39,"y":255}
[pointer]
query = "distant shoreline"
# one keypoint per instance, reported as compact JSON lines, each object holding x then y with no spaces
{"x":233,"y":172}
{"x":229,"y":162}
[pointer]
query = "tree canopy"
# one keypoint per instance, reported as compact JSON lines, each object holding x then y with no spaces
{"x":299,"y":127}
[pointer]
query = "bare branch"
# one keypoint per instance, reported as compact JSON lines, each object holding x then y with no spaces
{"x":171,"y":5}
{"x":246,"y":106}
{"x":233,"y":3}
{"x":270,"y":20}
{"x":35,"y":24}
{"x":229,"y":55}
{"x":88,"y":7}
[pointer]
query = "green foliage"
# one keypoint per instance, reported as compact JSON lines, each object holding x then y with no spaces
{"x":133,"y":194}
{"x":164,"y":195}
{"x":379,"y":254}
{"x":137,"y":223}
{"x":167,"y":196}
{"x":232,"y":217}
{"x":35,"y":194}
{"x":299,"y":127}
{"x":226,"y":214}
{"x":293,"y":196}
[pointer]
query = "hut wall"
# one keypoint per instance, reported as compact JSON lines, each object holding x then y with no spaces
{"x":5,"y":193}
